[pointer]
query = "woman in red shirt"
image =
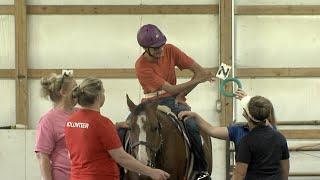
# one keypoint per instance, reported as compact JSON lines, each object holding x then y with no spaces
{"x":92,"y":140}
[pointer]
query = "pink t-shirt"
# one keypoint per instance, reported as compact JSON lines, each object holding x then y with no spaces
{"x":50,"y":139}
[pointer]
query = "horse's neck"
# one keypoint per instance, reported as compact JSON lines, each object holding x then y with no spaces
{"x":173,"y":146}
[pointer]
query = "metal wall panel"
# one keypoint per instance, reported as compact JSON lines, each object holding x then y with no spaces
{"x":6,"y":2}
{"x":8,"y":102}
{"x":293,"y":99}
{"x":277,"y":41}
{"x":109,"y":41}
{"x":32,"y":167}
{"x":13,"y":154}
{"x":75,"y":41}
{"x":7,"y":35}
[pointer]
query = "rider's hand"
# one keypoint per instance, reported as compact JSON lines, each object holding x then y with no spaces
{"x":158,"y":174}
{"x":240,"y":94}
{"x":181,"y":100}
{"x":204,"y":76}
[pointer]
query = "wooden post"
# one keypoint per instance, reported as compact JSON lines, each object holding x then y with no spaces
{"x":21,"y":68}
{"x":226,"y":57}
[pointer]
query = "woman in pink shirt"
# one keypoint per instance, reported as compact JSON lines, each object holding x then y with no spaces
{"x":50,"y":138}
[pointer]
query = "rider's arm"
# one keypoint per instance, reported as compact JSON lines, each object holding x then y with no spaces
{"x":176,"y":89}
{"x":197,"y":71}
{"x":200,"y":77}
{"x":148,"y":78}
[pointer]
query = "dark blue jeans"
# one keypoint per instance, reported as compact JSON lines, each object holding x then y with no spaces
{"x":193,"y":132}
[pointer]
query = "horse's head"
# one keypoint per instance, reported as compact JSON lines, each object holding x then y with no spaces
{"x":145,"y":131}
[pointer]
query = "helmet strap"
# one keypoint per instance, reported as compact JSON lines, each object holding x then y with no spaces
{"x":148,"y":52}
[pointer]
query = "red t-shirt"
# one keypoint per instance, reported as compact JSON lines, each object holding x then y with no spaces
{"x":89,"y":136}
{"x":152,"y":75}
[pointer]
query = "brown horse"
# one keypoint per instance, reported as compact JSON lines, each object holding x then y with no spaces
{"x":156,"y":141}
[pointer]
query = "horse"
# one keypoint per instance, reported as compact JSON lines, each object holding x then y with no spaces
{"x":157,"y":140}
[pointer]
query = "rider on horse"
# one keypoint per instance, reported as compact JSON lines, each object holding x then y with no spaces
{"x":155,"y":69}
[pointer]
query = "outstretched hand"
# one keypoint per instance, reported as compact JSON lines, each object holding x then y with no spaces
{"x":183,"y":114}
{"x":204,"y":76}
{"x":240,"y":94}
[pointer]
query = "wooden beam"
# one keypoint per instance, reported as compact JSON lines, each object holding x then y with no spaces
{"x":226,"y":56}
{"x":306,"y":147}
{"x":103,"y":73}
{"x":7,"y":10}
{"x":225,"y":44}
{"x":278,"y":10}
{"x":291,"y":123}
{"x":292,"y":149}
{"x":301,"y":133}
{"x":306,"y":174}
{"x":129,"y":73}
{"x":22,"y":103}
{"x":277,"y":72}
{"x":124,"y":9}
{"x":83,"y":73}
{"x":7,"y":73}
{"x":298,"y":123}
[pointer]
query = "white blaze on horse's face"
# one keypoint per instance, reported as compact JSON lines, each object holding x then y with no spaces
{"x":142,"y":155}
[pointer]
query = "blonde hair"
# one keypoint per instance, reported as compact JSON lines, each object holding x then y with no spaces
{"x":52,"y":84}
{"x":87,"y":92}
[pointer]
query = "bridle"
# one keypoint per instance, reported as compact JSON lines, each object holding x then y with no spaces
{"x":154,"y":151}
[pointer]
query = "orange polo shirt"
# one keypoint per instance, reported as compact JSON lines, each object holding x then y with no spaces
{"x":153,"y":74}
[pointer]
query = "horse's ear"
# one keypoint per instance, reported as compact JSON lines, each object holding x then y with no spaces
{"x":130,"y":104}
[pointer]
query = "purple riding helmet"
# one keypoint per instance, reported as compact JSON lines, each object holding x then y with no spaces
{"x":150,"y":36}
